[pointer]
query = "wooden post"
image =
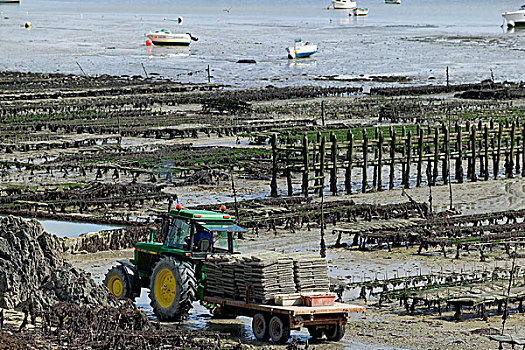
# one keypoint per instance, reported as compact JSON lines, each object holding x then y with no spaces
{"x":408,"y":158}
{"x":498,"y":152}
{"x":349,"y":157}
{"x":333,"y":170}
{"x":380,"y":161}
{"x":446,"y":147}
{"x":482,"y":163}
{"x":321,"y":165}
{"x":374,"y":177}
{"x":273,"y":184}
{"x":403,"y":152}
{"x":486,"y":142}
{"x":393,"y":155}
{"x":523,"y":150}
{"x":510,"y":170}
{"x":365,"y":159}
{"x":289,"y":169}
{"x":305,"y":165}
{"x":317,"y":161}
{"x":420,"y":157}
{"x":459,"y":149}
{"x":518,"y":139}
{"x":322,"y":112}
{"x":435,"y":171}
{"x":473,"y":175}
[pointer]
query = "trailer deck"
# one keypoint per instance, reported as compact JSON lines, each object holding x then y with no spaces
{"x":276,"y":321}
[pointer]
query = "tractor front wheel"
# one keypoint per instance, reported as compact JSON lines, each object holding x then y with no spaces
{"x":117,"y":282}
{"x":172,"y":289}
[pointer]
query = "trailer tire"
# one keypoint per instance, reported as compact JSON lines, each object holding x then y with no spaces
{"x":335,"y":332}
{"x":279,"y":330}
{"x":260,"y":327}
{"x":315,"y":332}
{"x":172,"y":289}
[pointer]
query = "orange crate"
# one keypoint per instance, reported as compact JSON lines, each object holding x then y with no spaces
{"x":326,"y":299}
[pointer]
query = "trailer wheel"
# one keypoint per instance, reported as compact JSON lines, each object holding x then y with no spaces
{"x":260,"y":327}
{"x":315,"y":332}
{"x":335,"y":332}
{"x":279,"y":331}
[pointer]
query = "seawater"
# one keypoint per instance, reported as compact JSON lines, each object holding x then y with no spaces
{"x":418,"y":39}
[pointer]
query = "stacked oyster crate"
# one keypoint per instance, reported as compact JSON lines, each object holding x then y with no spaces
{"x":265,"y":277}
{"x":310,"y":273}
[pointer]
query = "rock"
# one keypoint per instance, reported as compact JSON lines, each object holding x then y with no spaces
{"x":246,"y":61}
{"x":34,"y":274}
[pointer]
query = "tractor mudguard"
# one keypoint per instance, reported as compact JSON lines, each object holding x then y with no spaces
{"x":133,"y":276}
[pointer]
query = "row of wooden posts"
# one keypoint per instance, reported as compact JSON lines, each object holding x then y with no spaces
{"x":437,"y":147}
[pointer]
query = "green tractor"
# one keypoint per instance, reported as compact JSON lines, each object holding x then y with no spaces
{"x":174,"y":270}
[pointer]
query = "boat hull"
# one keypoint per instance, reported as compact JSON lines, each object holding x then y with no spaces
{"x":301,"y":52}
{"x":344,"y":5}
{"x":516,"y":18}
{"x":170,"y":39}
{"x":9,"y":1}
{"x":361,"y":12}
{"x":396,"y":2}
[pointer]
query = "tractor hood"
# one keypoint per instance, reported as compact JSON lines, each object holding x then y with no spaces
{"x":222,"y":227}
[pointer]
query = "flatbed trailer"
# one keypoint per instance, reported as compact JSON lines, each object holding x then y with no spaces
{"x":275,"y":321}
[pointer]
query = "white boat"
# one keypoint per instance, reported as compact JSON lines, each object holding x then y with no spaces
{"x":397,"y":2}
{"x":344,"y":4}
{"x":360,"y":11}
{"x":515,"y":18}
{"x":166,"y":37}
{"x":301,"y":49}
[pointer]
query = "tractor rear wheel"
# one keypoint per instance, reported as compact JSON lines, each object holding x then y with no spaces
{"x":117,"y":282}
{"x":172,"y":289}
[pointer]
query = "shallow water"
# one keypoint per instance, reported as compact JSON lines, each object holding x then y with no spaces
{"x":72,"y":229}
{"x":417,"y":39}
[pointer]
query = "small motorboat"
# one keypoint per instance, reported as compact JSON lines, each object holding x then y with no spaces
{"x":344,"y":4}
{"x":515,"y":18}
{"x":360,"y":11}
{"x":301,"y":49}
{"x":166,"y":37}
{"x":396,"y":2}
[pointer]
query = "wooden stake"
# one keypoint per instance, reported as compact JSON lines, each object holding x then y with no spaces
{"x":333,"y":170}
{"x":365,"y":160}
{"x":273,"y":184}
{"x":349,"y":158}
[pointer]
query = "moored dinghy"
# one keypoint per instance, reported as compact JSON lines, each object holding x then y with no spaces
{"x":515,"y":18}
{"x":361,"y":11}
{"x":301,"y":49}
{"x":166,"y":37}
{"x":344,"y":4}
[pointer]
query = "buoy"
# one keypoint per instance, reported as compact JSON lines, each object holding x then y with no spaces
{"x":148,"y":42}
{"x":27,"y":25}
{"x":179,"y":20}
{"x":350,"y":14}
{"x":329,"y":8}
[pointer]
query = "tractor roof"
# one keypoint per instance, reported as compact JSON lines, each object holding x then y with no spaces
{"x":201,"y":215}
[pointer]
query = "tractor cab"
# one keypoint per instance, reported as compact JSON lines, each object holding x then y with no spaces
{"x":201,"y":231}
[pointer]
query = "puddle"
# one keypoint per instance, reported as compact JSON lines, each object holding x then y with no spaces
{"x":73,"y":229}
